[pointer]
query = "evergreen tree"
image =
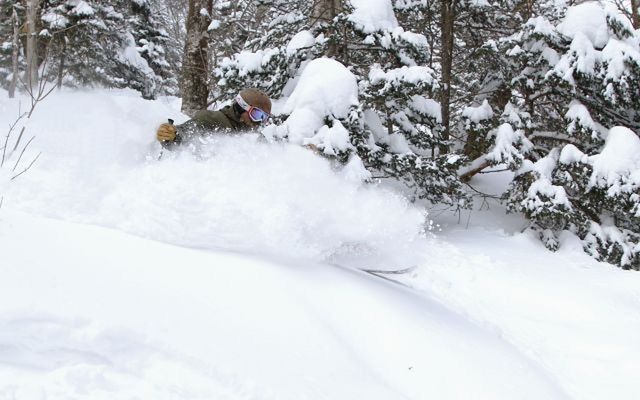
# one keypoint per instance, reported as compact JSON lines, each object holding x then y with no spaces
{"x":395,"y":130}
{"x":573,"y":89}
{"x":7,"y":46}
{"x":171,"y":18}
{"x":150,"y":40}
{"x":114,"y":43}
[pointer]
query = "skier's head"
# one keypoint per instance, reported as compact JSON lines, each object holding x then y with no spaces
{"x":255,"y":106}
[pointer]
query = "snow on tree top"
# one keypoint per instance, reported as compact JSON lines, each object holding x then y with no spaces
{"x":571,"y":154}
{"x":586,"y":55}
{"x":300,"y":40}
{"x":578,"y":112}
{"x":614,"y":13}
{"x":373,"y":15}
{"x":131,"y":55}
{"x":505,"y":140}
{"x":615,"y":54}
{"x":426,"y":106}
{"x":588,"y":19}
{"x":215,"y":24}
{"x":54,"y":20}
{"x":593,"y":44}
{"x":82,"y":9}
{"x":541,"y":25}
{"x":326,"y":87}
{"x":480,"y":113}
{"x":397,"y":76}
{"x":619,"y":157}
{"x":331,"y":138}
{"x":544,"y":186}
{"x":248,"y":62}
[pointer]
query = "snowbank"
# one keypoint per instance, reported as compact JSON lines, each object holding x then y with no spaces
{"x":120,"y":317}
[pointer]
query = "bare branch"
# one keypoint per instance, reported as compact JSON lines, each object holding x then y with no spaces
{"x":6,"y":141}
{"x":28,"y":167}
{"x":22,"y":153}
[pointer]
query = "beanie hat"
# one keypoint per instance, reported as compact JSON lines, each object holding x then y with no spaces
{"x":256,"y":98}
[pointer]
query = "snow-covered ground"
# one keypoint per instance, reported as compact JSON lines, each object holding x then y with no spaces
{"x":227,"y":272}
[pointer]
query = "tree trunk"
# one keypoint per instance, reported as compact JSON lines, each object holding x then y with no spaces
{"x":634,"y":14}
{"x":32,"y":7}
{"x":447,"y":33}
{"x":323,"y":12}
{"x":195,"y":64}
{"x":16,"y":52}
{"x":63,"y":57}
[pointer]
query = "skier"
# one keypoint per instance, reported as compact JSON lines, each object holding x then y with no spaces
{"x":250,"y":108}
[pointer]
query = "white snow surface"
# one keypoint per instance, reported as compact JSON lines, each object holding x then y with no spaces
{"x":229,"y":271}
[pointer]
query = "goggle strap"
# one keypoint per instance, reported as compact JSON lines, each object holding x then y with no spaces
{"x":245,"y":106}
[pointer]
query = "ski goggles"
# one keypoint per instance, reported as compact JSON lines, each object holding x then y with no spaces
{"x":255,"y":114}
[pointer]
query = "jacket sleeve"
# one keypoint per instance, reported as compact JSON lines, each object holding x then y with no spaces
{"x":203,"y":122}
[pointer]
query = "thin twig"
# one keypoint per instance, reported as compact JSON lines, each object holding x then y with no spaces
{"x":494,"y":170}
{"x":4,"y":149}
{"x":24,"y":127}
{"x":12,"y":127}
{"x":22,"y":153}
{"x":28,"y":167}
{"x":485,"y":195}
{"x":42,"y":94}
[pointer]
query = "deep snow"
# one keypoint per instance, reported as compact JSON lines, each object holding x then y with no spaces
{"x":222,"y":271}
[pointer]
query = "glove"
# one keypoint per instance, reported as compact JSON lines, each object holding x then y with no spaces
{"x":166,"y":133}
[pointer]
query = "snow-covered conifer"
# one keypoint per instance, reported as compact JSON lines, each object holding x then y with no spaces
{"x":9,"y":10}
{"x":574,"y":85}
{"x":150,"y":40}
{"x":394,"y":128}
{"x":113,"y":43}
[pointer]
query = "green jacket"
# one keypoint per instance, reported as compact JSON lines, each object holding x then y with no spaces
{"x":207,"y":121}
